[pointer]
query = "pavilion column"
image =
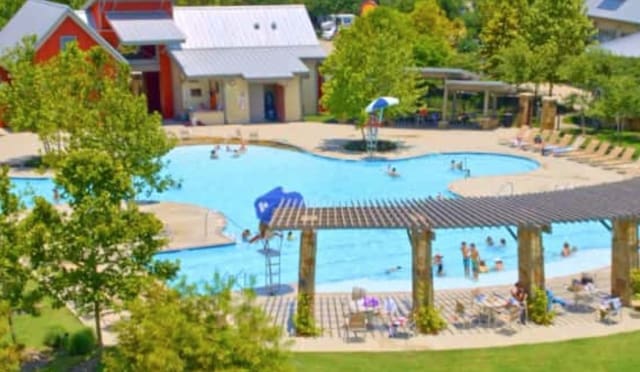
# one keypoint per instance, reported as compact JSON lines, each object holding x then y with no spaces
{"x":549,"y":113}
{"x":531,"y":256}
{"x":421,"y":267}
{"x":307,"y":267}
{"x":624,"y":256}
{"x":525,"y":109}
{"x":445,"y":100}
{"x":485,"y":107}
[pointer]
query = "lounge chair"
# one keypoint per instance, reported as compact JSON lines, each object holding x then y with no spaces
{"x":564,"y":150}
{"x":609,"y":309}
{"x":562,"y":142}
{"x":530,"y":143}
{"x":551,"y":140}
{"x":599,"y":153}
{"x":629,"y":168}
{"x":589,"y":149}
{"x":356,"y":323}
{"x":612,"y":155}
{"x":625,"y":158}
{"x":523,"y":133}
{"x":525,"y":140}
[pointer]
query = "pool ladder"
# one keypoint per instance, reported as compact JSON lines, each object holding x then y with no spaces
{"x":272,"y":268}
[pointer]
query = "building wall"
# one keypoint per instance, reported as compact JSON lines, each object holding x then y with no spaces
{"x":310,"y":89}
{"x":51,"y":46}
{"x":256,"y":102}
{"x":610,"y":29}
{"x":178,"y":102}
{"x":292,"y":99}
{"x":236,"y":98}
{"x":166,"y":83}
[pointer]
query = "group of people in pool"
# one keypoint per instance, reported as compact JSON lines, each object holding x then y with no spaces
{"x":236,"y":152}
{"x":474,"y":265}
{"x":247,"y":235}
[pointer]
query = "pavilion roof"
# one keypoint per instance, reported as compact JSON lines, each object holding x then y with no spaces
{"x":606,"y":201}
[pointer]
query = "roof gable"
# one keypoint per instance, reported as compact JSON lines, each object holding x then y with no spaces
{"x":36,"y":17}
{"x":244,"y":26}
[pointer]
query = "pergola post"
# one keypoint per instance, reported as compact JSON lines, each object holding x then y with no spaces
{"x":549,"y":113}
{"x":624,"y":256}
{"x":525,"y":109}
{"x":422,"y":273}
{"x":485,"y":107}
{"x":531,"y":256}
{"x":445,"y":100}
{"x":307,"y":268}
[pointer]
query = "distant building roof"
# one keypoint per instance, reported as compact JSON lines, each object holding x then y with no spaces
{"x":248,"y":63}
{"x":480,"y":86}
{"x":627,"y":46}
{"x":40,"y":18}
{"x":244,"y":26}
{"x":447,"y":73}
{"x":142,"y":28}
{"x":618,"y":10}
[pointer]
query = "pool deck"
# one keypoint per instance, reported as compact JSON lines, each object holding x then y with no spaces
{"x":186,"y":227}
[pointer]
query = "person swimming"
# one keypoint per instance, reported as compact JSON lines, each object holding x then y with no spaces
{"x":214,"y":154}
{"x":290,"y":236}
{"x":392,"y":171}
{"x":393,"y":269}
{"x":246,"y":234}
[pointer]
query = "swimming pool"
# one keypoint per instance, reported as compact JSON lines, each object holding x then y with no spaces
{"x":351,"y":257}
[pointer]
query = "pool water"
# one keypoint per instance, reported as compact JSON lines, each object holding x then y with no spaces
{"x":350,"y":257}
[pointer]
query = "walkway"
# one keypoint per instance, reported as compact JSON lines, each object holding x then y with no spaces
{"x":577,"y":322}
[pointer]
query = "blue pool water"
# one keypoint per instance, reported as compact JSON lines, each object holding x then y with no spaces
{"x":350,"y":257}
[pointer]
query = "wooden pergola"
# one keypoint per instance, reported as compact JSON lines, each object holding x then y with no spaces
{"x":533,"y":214}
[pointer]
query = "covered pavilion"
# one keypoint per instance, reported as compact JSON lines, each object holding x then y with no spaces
{"x":533,"y":214}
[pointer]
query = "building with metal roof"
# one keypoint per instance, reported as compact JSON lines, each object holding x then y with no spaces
{"x":628,"y":46}
{"x":204,"y":64}
{"x":614,"y":18}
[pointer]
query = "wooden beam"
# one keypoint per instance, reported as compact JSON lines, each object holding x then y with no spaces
{"x":422,"y":285}
{"x":531,"y":256}
{"x":624,"y":256}
{"x":307,"y":266}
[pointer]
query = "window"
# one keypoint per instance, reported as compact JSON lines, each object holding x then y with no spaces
{"x":611,"y":4}
{"x":195,"y":92}
{"x":64,"y":40}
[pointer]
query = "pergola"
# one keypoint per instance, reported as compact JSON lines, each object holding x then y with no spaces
{"x":533,"y":214}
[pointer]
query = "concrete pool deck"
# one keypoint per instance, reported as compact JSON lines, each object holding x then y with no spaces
{"x":325,"y":140}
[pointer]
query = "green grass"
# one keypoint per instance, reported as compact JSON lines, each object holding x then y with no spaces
{"x":31,"y":330}
{"x":613,"y":353}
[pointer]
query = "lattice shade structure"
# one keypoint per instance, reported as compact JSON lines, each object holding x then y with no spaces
{"x":607,"y":201}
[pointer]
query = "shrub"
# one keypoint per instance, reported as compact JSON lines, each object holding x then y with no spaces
{"x":635,"y":282}
{"x":304,"y":322}
{"x":539,"y":308}
{"x":82,"y":342}
{"x":361,"y":146}
{"x":428,"y":320}
{"x":56,"y":338}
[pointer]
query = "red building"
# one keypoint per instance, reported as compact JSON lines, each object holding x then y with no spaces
{"x":210,"y":64}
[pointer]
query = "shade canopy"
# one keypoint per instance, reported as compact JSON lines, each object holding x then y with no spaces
{"x":381,"y":103}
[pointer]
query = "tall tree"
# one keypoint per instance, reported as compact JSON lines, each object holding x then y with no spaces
{"x":437,"y":35}
{"x":9,"y":353}
{"x":557,"y":30}
{"x":503,"y":21}
{"x":372,"y":58}
{"x":183,"y":330}
{"x":81,"y":99}
{"x":99,"y":254}
{"x":15,"y":268}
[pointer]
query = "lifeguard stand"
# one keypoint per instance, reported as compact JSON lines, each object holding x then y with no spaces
{"x":371,"y":134}
{"x":272,"y":277}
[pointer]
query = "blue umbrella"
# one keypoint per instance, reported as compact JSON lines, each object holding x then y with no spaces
{"x":381,"y":103}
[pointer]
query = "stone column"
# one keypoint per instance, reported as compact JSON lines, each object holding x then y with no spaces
{"x":525,"y":109}
{"x":307,"y":267}
{"x":549,"y":112}
{"x":444,"y":120}
{"x":624,"y":256}
{"x":531,"y":256}
{"x":422,"y":284}
{"x":485,"y":106}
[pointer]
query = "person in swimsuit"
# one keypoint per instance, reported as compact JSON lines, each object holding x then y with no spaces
{"x":466,"y":260}
{"x":475,"y":261}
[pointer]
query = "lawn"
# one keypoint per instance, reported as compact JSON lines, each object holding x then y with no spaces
{"x":625,"y":138}
{"x":31,"y":330}
{"x":613,"y":353}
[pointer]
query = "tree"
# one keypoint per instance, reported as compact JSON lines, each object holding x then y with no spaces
{"x":372,"y":58}
{"x":15,"y":270}
{"x":183,"y":330}
{"x":619,"y":100}
{"x":98,"y":255}
{"x":503,"y":21}
{"x":9,"y":352}
{"x":80,"y":100}
{"x":557,"y":31}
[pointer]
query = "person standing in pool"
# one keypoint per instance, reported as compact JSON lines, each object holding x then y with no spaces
{"x":475,"y":261}
{"x":466,"y":258}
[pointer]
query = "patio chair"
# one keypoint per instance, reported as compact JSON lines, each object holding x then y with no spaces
{"x":462,"y":316}
{"x":609,"y":310}
{"x":570,"y":147}
{"x":599,"y":153}
{"x":612,"y":155}
{"x":625,"y":158}
{"x":356,"y":323}
{"x":510,"y":318}
{"x":589,"y":149}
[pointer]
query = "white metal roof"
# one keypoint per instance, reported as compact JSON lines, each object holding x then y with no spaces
{"x":249,"y":63}
{"x":140,"y":28}
{"x":617,"y":10}
{"x":627,"y":46}
{"x":244,"y":26}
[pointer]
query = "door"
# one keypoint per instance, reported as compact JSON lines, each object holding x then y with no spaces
{"x":279,"y":102}
{"x":151,"y":86}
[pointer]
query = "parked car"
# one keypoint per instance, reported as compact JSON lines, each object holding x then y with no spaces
{"x":334,"y":23}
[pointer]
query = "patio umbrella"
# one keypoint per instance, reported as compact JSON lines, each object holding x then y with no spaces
{"x":381,"y":103}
